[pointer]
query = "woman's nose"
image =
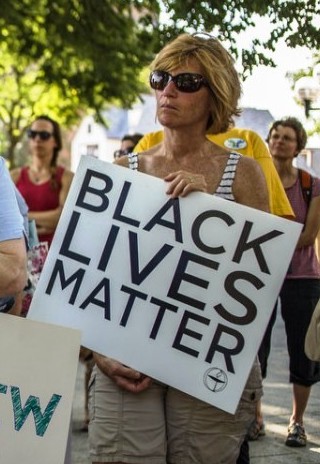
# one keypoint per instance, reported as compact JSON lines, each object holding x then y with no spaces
{"x":169,"y":88}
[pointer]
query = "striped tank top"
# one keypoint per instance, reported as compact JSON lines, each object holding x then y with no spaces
{"x":224,"y":189}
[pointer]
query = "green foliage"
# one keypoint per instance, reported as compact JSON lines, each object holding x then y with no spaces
{"x":95,"y":48}
{"x":71,"y":55}
{"x":295,"y":21}
{"x":24,"y":94}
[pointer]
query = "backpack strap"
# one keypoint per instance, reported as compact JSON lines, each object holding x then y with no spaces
{"x":306,"y":184}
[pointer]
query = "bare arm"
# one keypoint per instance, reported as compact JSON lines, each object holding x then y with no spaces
{"x":309,"y":234}
{"x":15,"y":174}
{"x":17,"y":306}
{"x":13,"y":253}
{"x":13,"y":266}
{"x":250,"y":187}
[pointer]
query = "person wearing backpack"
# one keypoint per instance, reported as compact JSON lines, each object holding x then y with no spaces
{"x":301,"y":288}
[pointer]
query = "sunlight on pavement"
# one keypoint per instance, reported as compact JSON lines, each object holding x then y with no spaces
{"x":315,"y":450}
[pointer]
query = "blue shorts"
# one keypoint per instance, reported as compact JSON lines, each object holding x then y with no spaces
{"x":299,"y":298}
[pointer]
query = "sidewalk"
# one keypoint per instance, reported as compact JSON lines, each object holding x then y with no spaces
{"x":276,"y":408}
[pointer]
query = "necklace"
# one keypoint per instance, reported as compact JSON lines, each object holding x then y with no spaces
{"x":38,"y":176}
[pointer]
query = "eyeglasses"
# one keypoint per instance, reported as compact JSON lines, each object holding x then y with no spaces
{"x":43,"y":135}
{"x":125,"y":152}
{"x":184,"y":82}
{"x":285,"y":138}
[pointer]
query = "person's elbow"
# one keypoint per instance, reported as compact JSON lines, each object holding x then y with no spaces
{"x":18,"y":276}
{"x":19,"y":280}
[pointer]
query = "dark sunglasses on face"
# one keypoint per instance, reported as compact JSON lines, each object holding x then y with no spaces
{"x":44,"y":135}
{"x":125,"y":152}
{"x":184,"y":82}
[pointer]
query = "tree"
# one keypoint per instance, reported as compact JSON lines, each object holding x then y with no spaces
{"x":295,"y":21}
{"x":99,"y":47}
{"x":23,"y":95}
{"x":94,"y":50}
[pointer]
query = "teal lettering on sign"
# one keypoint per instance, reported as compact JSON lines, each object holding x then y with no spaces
{"x":21,"y":413}
{"x":3,"y":388}
{"x":32,"y":404}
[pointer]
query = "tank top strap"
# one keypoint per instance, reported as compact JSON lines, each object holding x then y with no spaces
{"x":224,"y":189}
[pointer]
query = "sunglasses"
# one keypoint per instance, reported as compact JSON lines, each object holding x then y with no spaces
{"x":43,"y":135}
{"x":184,"y":82}
{"x":125,"y":152}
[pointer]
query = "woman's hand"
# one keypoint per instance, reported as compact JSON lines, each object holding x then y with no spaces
{"x":125,"y":377}
{"x":182,"y":182}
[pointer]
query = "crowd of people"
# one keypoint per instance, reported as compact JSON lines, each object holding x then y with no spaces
{"x":130,"y":416}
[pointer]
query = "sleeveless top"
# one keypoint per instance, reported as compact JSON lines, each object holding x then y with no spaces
{"x":304,"y":263}
{"x":40,"y":197}
{"x":224,"y":189}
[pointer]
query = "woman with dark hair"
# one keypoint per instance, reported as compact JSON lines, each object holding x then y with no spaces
{"x":128,"y":142}
{"x":43,"y":183}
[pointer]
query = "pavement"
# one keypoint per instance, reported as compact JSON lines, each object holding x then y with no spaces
{"x":276,"y":401}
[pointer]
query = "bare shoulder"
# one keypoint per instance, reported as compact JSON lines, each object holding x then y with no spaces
{"x":15,"y":174}
{"x":67,"y":175}
{"x":250,"y":187}
{"x":249,"y":168}
{"x":66,"y":181}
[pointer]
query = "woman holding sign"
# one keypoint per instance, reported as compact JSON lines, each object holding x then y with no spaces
{"x":133,"y":417}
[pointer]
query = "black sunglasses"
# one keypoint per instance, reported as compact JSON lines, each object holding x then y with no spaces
{"x":184,"y":82}
{"x":44,"y":135}
{"x":125,"y":152}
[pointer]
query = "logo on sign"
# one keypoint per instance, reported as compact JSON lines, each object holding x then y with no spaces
{"x":215,"y":379}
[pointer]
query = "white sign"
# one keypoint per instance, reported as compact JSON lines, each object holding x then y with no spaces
{"x":181,"y":290}
{"x":37,"y":378}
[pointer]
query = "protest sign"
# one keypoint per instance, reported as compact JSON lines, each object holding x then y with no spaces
{"x":180,"y":289}
{"x":37,"y":378}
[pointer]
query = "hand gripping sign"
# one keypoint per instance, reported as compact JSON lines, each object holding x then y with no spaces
{"x":179,"y":289}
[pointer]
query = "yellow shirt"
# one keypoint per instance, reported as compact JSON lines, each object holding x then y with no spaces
{"x":248,"y":143}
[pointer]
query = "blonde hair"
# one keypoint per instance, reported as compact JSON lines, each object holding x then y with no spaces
{"x":218,"y":69}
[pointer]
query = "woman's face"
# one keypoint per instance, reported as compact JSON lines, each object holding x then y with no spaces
{"x":127,"y":145}
{"x":39,"y":146}
{"x":283,"y":143}
{"x":181,"y":109}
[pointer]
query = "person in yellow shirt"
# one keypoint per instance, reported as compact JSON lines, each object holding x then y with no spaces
{"x":248,"y":143}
